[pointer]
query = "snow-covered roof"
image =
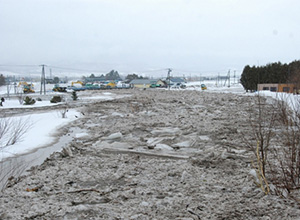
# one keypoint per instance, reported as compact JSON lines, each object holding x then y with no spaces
{"x":177,"y":79}
{"x":143,"y":81}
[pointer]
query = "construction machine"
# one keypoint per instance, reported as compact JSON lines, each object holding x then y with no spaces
{"x":58,"y":88}
{"x":27,"y":87}
{"x":110,"y":85}
{"x":77,"y":82}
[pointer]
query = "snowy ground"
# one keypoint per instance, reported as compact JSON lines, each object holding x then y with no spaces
{"x":40,"y":130}
{"x":40,"y":127}
{"x":150,"y":154}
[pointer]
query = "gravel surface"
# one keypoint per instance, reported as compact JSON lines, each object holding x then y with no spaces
{"x":154,"y":154}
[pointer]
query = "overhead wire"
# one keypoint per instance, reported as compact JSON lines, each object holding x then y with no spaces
{"x":104,"y":71}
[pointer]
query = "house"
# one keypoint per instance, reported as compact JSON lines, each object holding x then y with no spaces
{"x":175,"y":81}
{"x":146,"y":83}
{"x":278,"y":87}
{"x":49,"y":81}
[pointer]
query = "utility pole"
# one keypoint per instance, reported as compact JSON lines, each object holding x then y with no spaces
{"x":43,"y":80}
{"x":8,"y":86}
{"x":227,"y":78}
{"x":50,"y":73}
{"x":234,"y":78}
{"x":169,"y":77}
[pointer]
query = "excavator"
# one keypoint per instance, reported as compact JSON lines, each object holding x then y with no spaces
{"x":58,"y":88}
{"x":27,"y":87}
{"x":77,"y":82}
{"x":110,"y":85}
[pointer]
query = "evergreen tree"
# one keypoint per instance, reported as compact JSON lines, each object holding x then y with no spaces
{"x":2,"y":80}
{"x":133,"y":76}
{"x":112,"y":75}
{"x":56,"y":80}
{"x":271,"y":73}
{"x":74,"y":95}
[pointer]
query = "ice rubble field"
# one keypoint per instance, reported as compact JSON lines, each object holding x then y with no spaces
{"x":43,"y":125}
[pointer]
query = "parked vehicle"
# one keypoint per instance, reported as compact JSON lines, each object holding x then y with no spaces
{"x":58,"y":88}
{"x":27,"y":87}
{"x":203,"y":87}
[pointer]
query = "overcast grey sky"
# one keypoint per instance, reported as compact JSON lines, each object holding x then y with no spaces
{"x":201,"y":36}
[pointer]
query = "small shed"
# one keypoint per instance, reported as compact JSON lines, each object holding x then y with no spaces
{"x":278,"y":87}
{"x":175,"y":81}
{"x":145,"y":83}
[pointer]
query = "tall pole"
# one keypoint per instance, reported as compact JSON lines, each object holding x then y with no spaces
{"x":234,"y":78}
{"x":15,"y":85}
{"x":50,"y":73}
{"x":8,"y":86}
{"x":43,"y":80}
{"x":228,"y":78}
{"x":169,"y":77}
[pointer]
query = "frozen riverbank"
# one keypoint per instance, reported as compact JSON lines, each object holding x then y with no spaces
{"x":153,"y":155}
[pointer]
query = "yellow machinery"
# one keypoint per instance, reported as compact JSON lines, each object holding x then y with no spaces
{"x":203,"y":87}
{"x":77,"y":82}
{"x":58,"y":88}
{"x":110,"y":85}
{"x":27,"y":87}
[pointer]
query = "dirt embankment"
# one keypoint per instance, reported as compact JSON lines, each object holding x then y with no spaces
{"x":153,"y":155}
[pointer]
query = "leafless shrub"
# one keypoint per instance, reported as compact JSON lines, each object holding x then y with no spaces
{"x":275,"y":139}
{"x":65,"y":108}
{"x":63,"y":112}
{"x":12,"y":130}
{"x":262,"y":118}
{"x":20,"y":96}
{"x":285,"y":163}
{"x":11,"y":172}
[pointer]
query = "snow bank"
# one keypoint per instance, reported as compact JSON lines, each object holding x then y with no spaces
{"x":41,"y":127}
{"x":292,"y":100}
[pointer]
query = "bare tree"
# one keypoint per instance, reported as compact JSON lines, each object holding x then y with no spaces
{"x":12,"y":130}
{"x":276,"y":130}
{"x":20,"y":95}
{"x":261,"y":120}
{"x":64,"y":111}
{"x":285,"y":163}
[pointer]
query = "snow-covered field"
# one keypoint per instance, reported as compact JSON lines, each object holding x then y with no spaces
{"x":40,"y":127}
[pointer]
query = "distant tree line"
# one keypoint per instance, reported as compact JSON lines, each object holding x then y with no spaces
{"x":2,"y":80}
{"x":130,"y":77}
{"x":114,"y":75}
{"x":271,"y":73}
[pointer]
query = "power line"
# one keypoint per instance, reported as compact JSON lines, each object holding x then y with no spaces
{"x":74,"y":69}
{"x":14,"y":65}
{"x":103,"y":71}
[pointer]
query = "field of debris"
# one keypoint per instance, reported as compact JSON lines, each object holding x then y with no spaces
{"x":154,"y":154}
